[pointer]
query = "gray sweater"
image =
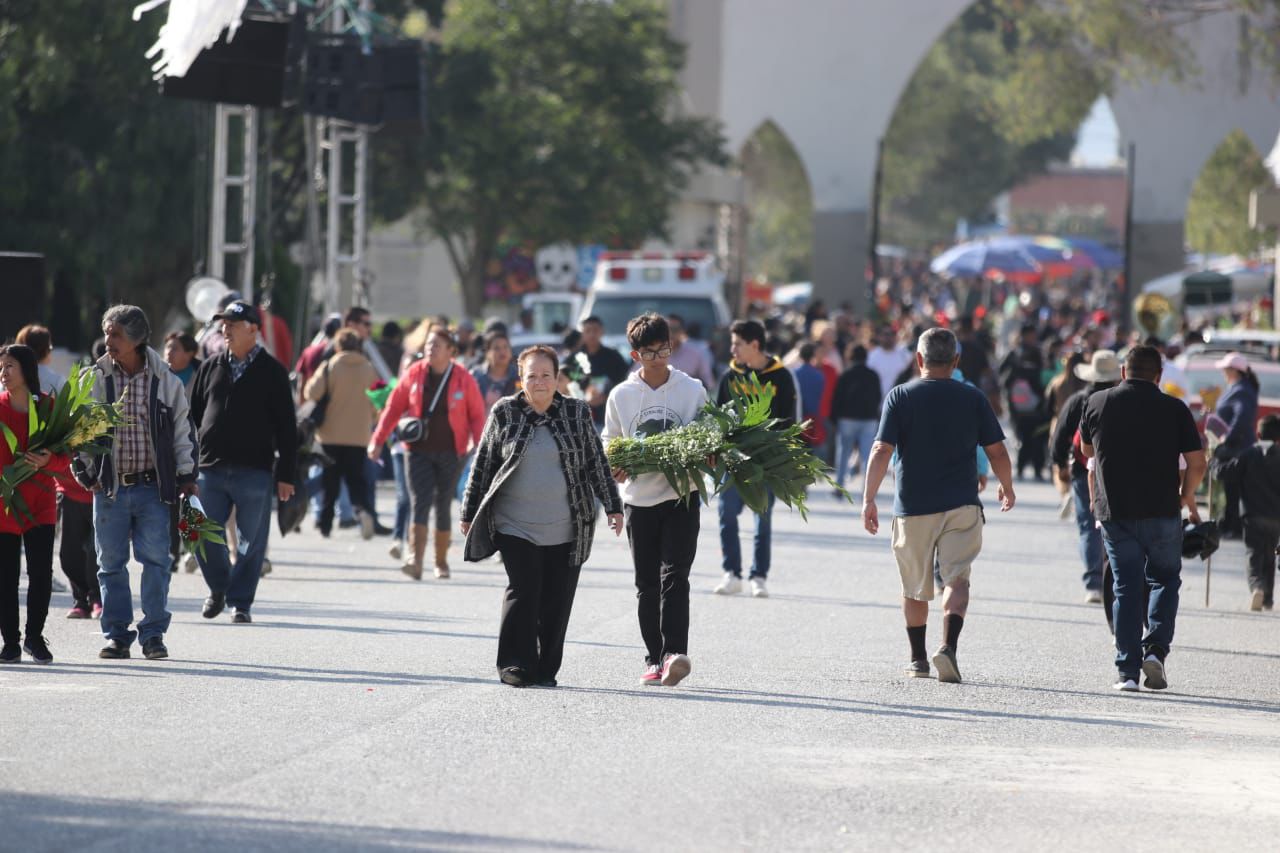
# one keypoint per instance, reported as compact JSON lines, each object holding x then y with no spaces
{"x":506,"y":439}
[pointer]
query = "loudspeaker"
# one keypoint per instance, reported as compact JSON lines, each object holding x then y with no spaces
{"x":21,"y":292}
{"x":383,"y":86}
{"x":259,"y":67}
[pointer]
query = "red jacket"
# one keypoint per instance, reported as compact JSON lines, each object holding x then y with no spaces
{"x":38,"y":492}
{"x":466,"y":406}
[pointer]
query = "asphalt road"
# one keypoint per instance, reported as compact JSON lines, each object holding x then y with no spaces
{"x":361,"y":712}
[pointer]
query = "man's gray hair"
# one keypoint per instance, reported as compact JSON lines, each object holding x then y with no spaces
{"x":937,"y":347}
{"x":130,"y":318}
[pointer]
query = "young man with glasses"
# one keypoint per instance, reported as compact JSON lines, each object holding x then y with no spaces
{"x":661,"y":527}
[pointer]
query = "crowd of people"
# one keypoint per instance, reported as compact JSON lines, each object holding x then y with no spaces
{"x":518,"y":439}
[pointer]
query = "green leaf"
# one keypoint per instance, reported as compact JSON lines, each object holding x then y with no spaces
{"x":33,"y":419}
{"x":10,"y":439}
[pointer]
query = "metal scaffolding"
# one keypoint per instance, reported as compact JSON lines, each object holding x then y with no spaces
{"x":228,"y":234}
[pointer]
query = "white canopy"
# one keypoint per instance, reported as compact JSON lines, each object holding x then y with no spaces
{"x":193,"y":25}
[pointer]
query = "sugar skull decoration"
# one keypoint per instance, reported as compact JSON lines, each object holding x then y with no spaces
{"x":557,"y":267}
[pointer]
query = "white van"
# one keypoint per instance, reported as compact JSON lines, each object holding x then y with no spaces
{"x":628,"y":284}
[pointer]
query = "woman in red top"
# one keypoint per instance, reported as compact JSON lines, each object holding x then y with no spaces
{"x":19,"y":374}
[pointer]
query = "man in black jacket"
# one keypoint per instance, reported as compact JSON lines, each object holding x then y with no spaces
{"x":1102,"y":372}
{"x":855,"y":409}
{"x":749,"y":359}
{"x":242,"y":405}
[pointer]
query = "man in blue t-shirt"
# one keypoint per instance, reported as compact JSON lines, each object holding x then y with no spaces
{"x":935,"y":423}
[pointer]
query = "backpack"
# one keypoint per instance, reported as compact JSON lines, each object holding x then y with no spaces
{"x":1023,"y":399}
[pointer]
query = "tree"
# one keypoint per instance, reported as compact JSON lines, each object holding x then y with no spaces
{"x":553,"y":120}
{"x":1218,"y":210}
{"x":996,"y":99}
{"x":1001,"y":93}
{"x":95,"y":167}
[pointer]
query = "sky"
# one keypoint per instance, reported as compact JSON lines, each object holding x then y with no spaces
{"x":1098,"y":140}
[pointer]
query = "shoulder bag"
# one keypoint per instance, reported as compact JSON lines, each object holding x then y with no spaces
{"x":413,"y":429}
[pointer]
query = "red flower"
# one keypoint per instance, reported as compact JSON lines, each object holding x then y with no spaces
{"x":182,"y":526}
{"x":193,"y":536}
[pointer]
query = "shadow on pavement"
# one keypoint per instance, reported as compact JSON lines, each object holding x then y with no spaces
{"x":34,"y":822}
{"x":850,"y":706}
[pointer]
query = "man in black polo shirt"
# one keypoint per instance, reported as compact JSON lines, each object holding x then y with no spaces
{"x":1136,"y":433}
{"x":242,"y":406}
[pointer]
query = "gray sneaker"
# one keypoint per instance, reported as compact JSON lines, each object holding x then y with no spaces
{"x":944,"y":661}
{"x":917,"y":669}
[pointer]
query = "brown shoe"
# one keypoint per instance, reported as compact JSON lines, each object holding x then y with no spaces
{"x":417,"y":550}
{"x":442,"y":554}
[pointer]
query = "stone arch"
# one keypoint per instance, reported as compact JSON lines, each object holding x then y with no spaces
{"x":1175,"y":127}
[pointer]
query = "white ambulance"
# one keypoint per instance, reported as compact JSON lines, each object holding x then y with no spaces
{"x":628,"y":284}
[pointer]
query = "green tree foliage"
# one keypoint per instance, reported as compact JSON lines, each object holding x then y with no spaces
{"x":1218,"y":210}
{"x":780,"y":201}
{"x":95,"y":167}
{"x":552,"y":120}
{"x":995,"y":100}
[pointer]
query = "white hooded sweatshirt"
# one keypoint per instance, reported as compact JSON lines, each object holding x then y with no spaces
{"x":634,"y":409}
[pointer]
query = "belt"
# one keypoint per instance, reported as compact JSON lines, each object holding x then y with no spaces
{"x":139,"y":477}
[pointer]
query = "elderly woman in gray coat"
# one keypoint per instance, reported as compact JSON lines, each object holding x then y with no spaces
{"x":538,"y":473}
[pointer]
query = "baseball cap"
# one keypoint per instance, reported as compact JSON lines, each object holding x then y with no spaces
{"x":1233,"y":360}
{"x":240,"y":310}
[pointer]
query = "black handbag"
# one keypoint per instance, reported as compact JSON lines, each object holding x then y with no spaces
{"x":414,"y":429}
{"x":321,"y":408}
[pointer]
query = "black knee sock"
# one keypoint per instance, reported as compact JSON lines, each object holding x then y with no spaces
{"x":951,"y":625}
{"x":916,"y":636}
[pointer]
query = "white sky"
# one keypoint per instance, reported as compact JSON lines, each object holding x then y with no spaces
{"x":1098,"y":141}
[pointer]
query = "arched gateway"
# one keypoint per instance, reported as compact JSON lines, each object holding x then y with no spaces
{"x":829,"y":74}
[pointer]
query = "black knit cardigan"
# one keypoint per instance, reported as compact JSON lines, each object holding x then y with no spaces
{"x":506,"y":438}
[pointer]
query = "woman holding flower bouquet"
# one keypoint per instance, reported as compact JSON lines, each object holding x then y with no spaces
{"x":31,"y":527}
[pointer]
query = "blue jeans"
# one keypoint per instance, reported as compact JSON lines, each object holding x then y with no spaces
{"x":1144,"y":553}
{"x":402,"y":497}
{"x":730,"y":508}
{"x":135,"y":516}
{"x":249,"y":490}
{"x":1090,"y":536}
{"x":852,"y":434}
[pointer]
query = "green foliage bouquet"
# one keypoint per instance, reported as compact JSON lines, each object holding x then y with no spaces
{"x":737,"y":444}
{"x":70,"y":421}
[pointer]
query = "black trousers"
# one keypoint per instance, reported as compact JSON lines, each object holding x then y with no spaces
{"x":664,"y":541}
{"x":535,"y":610}
{"x":1261,"y":535}
{"x":38,"y":545}
{"x":348,"y":465}
{"x":1033,"y":443}
{"x":77,"y":554}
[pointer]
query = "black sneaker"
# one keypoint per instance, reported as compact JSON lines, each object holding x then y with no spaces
{"x":38,"y":649}
{"x":242,"y":617}
{"x":115,"y":650}
{"x":11,"y":653}
{"x":213,"y":605}
{"x":348,"y":524}
{"x":515,"y":676}
{"x":1153,"y":669}
{"x":548,"y":682}
{"x":944,"y":661}
{"x":153,"y":649}
{"x":917,"y":669}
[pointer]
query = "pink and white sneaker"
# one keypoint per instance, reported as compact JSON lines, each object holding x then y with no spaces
{"x":652,"y":675}
{"x":674,"y":669}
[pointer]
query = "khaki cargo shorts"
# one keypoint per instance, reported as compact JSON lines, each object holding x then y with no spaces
{"x":954,"y":537}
